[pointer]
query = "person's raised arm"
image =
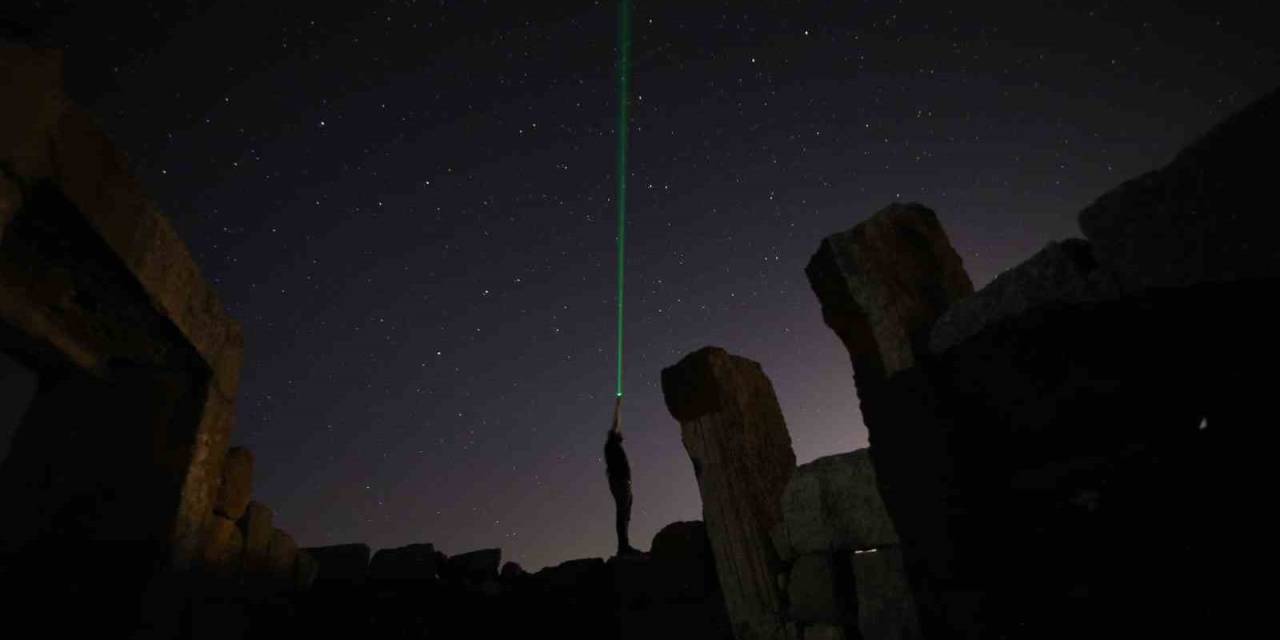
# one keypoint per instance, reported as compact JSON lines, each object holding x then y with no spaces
{"x":617,"y":416}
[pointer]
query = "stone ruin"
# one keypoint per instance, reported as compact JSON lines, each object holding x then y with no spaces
{"x":1054,"y":455}
{"x":1049,"y":454}
{"x":118,"y":487}
{"x":1060,"y":451}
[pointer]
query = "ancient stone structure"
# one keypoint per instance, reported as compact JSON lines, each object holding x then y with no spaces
{"x":118,"y":459}
{"x":884,"y":282}
{"x":117,"y":504}
{"x":734,"y":432}
{"x":1043,"y":449}
{"x":844,"y":571}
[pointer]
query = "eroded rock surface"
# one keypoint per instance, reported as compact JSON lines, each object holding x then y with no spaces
{"x":734,"y":432}
{"x":884,"y":282}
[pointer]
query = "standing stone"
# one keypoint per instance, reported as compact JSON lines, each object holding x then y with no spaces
{"x":884,"y":282}
{"x":256,"y":526}
{"x":237,"y":484}
{"x":734,"y":432}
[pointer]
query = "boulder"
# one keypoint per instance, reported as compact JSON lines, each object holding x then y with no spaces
{"x":682,"y":561}
{"x":735,"y":435}
{"x":832,"y":504}
{"x":415,"y":562}
{"x":884,"y":282}
{"x":512,"y":571}
{"x":341,"y":564}
{"x":237,"y":484}
{"x":1204,"y":216}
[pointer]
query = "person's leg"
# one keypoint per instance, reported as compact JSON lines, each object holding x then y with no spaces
{"x":624,"y":519}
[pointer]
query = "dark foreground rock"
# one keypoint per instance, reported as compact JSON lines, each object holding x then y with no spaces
{"x":672,"y":595}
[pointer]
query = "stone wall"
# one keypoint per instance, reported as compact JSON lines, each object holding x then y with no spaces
{"x":121,"y":500}
{"x":843,"y":573}
{"x":111,"y":476}
{"x":1059,"y":450}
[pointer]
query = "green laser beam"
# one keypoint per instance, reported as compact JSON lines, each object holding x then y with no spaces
{"x":624,"y":70}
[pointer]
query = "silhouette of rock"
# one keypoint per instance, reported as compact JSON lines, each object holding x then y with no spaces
{"x":512,"y":571}
{"x":341,"y":564}
{"x":476,"y":566}
{"x":237,"y":484}
{"x":415,"y":562}
{"x":683,"y":563}
{"x":734,"y":432}
{"x":1062,"y":273}
{"x":1202,"y":217}
{"x":571,"y":576}
{"x":884,"y":282}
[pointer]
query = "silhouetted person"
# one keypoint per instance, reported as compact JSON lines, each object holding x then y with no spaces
{"x":619,"y":472}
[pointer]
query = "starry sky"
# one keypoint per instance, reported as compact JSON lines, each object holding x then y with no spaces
{"x":410,"y":208}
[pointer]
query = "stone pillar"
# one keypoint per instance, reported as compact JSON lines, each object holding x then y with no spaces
{"x":735,"y":435}
{"x":884,"y":282}
{"x":883,"y":285}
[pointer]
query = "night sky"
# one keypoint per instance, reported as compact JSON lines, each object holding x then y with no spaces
{"x":410,"y":208}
